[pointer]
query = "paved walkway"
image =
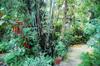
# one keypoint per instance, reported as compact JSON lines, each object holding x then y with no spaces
{"x":74,"y":55}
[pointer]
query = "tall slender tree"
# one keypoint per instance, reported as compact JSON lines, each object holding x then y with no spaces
{"x":64,"y":19}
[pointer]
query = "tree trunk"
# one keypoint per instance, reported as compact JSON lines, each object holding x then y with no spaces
{"x":41,"y":34}
{"x":64,"y":19}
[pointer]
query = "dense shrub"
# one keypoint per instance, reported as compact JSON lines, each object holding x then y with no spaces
{"x":94,"y":42}
{"x":38,"y":61}
{"x":13,"y":60}
{"x":60,"y":48}
{"x":3,"y":47}
{"x":87,"y":60}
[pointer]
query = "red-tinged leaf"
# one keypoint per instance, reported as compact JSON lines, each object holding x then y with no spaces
{"x":58,"y":60}
{"x":26,"y":45}
{"x":17,"y":30}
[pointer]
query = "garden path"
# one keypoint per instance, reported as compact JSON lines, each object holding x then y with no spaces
{"x":74,"y":53}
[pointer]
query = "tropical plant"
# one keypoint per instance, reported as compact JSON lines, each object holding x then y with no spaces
{"x":93,"y":29}
{"x":60,"y":48}
{"x":38,"y":61}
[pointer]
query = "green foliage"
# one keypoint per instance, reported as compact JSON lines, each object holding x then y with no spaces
{"x":24,"y":49}
{"x":58,"y":26}
{"x":27,"y":60}
{"x":95,"y":59}
{"x":89,"y":28}
{"x":12,"y":56}
{"x":86,"y":60}
{"x":75,"y":34}
{"x":68,"y":34}
{"x":38,"y":61}
{"x":60,"y":48}
{"x":93,"y":29}
{"x":59,"y":2}
{"x":3,"y":46}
